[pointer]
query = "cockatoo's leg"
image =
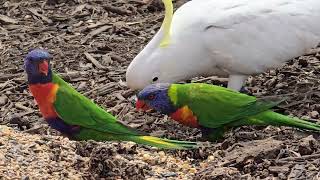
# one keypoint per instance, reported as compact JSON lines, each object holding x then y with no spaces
{"x":236,"y":81}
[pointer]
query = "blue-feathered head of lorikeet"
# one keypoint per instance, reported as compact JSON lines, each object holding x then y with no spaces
{"x":37,"y":66}
{"x":155,"y":96}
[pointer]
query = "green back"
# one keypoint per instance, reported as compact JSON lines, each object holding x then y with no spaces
{"x":216,"y":106}
{"x":75,"y":109}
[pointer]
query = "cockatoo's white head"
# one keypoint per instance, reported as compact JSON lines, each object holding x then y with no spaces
{"x":145,"y":68}
{"x":176,"y":62}
{"x":151,"y":68}
{"x":167,"y":57}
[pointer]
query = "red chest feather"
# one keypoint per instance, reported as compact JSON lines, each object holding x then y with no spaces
{"x":185,"y":116}
{"x":45,"y":95}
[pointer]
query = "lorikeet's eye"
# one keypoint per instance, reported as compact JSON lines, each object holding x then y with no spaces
{"x":151,"y":97}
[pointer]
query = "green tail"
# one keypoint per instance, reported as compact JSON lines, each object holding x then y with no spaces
{"x":276,"y":119}
{"x":163,"y":143}
{"x":90,"y":134}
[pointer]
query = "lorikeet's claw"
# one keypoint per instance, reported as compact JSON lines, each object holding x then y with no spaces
{"x":245,"y":90}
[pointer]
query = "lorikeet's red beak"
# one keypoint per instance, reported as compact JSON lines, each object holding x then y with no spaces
{"x":141,"y":105}
{"x":44,"y":67}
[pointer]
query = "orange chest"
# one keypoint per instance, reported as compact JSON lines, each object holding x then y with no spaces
{"x":45,"y":95}
{"x":186,"y":117}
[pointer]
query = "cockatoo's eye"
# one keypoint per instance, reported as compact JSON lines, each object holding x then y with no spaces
{"x":151,"y":97}
{"x":155,"y":79}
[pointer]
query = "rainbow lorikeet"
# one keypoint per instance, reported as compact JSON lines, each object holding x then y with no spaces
{"x":214,"y":109}
{"x":76,"y":116}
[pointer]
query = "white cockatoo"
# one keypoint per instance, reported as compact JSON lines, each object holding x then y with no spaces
{"x":227,"y":38}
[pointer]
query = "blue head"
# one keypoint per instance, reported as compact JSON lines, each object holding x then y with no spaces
{"x":37,"y":66}
{"x":155,"y":96}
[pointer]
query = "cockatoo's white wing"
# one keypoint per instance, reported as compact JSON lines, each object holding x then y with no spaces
{"x":230,"y":37}
{"x":248,"y":38}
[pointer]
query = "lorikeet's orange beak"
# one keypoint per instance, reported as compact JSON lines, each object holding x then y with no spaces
{"x":141,"y":105}
{"x":44,"y":67}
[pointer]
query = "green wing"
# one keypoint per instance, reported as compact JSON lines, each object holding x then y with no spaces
{"x":76,"y":109}
{"x":216,"y":106}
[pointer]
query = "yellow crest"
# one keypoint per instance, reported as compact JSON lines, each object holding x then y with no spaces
{"x":166,"y":24}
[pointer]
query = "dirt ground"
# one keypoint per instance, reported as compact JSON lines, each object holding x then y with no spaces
{"x":92,"y":42}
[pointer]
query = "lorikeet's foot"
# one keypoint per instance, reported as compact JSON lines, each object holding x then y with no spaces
{"x":245,"y":90}
{"x":212,"y":134}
